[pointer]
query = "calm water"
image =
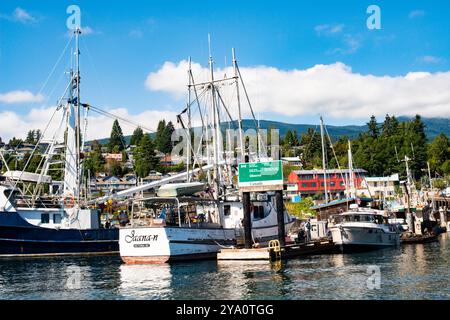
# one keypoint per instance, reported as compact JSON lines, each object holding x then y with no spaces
{"x":408,"y":272}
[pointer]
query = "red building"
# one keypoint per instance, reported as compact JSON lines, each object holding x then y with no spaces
{"x":310,"y":182}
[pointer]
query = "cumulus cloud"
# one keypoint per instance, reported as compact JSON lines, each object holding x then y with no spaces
{"x":416,"y":14}
{"x":334,"y":90}
{"x":19,"y":96}
{"x":99,"y":126}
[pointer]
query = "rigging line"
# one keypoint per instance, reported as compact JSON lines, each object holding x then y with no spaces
{"x":334,"y":153}
{"x":56,"y":64}
{"x":32,"y":153}
{"x":197,"y":97}
{"x":251,"y":109}
{"x":91,"y":61}
{"x":113,"y":116}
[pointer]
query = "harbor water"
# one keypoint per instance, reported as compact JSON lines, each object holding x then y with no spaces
{"x":419,"y":271}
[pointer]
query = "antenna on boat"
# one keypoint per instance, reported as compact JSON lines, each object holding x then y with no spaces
{"x":236,"y":77}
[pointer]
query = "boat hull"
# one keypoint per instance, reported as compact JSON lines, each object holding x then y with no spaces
{"x":19,"y":238}
{"x":163,"y":244}
{"x":361,"y":239}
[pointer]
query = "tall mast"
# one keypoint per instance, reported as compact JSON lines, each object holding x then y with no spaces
{"x":241,"y":140}
{"x":188,"y":143}
{"x":324,"y":165}
{"x":77,"y":113}
{"x":217,"y":173}
{"x":350,"y":171}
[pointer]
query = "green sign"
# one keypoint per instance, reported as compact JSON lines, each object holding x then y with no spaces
{"x":260,"y":174}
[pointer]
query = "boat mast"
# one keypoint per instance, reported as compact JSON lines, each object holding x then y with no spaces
{"x":241,"y":140}
{"x":323,"y":160}
{"x":216,"y":173}
{"x":77,"y":113}
{"x":188,"y":143}
{"x":350,"y":171}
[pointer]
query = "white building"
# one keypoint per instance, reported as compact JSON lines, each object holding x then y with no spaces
{"x":379,"y":187}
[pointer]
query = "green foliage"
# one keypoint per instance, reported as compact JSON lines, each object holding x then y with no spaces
{"x":116,"y":140}
{"x":94,"y":162}
{"x":287,"y":169}
{"x":15,"y":142}
{"x":439,"y":154}
{"x":144,"y":156}
{"x":301,"y":209}
{"x":138,"y":134}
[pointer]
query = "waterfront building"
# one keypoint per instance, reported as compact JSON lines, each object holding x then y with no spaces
{"x":311,"y":182}
{"x":380,"y":187}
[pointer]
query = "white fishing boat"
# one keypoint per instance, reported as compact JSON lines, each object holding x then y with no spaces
{"x":182,"y":225}
{"x":194,"y":228}
{"x":363,"y":229}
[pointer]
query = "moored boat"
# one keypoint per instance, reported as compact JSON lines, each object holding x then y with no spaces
{"x":363,"y":230}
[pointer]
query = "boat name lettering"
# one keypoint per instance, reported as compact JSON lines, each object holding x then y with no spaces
{"x":140,"y":238}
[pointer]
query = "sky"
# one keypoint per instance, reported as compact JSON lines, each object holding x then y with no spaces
{"x":299,"y":59}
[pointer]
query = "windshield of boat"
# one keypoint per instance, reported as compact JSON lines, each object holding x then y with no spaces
{"x":363,"y":218}
{"x":172,"y":212}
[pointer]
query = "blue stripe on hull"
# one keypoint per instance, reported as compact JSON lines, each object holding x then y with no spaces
{"x":18,"y":237}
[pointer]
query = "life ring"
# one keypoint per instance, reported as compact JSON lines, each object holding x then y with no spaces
{"x":69,"y":201}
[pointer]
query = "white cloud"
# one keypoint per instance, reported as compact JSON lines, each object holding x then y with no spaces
{"x":19,"y":15}
{"x":430,"y":59}
{"x":23,"y":16}
{"x":326,"y":29}
{"x":333,"y":90}
{"x":19,"y":96}
{"x":416,"y":14}
{"x":99,"y":126}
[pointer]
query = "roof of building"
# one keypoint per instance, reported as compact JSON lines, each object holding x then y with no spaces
{"x":320,"y":171}
{"x":393,"y":177}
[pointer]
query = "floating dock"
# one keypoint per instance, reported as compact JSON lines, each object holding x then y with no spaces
{"x":275,"y":252}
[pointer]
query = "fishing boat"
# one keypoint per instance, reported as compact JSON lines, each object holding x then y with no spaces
{"x":363,"y":229}
{"x":33,"y":223}
{"x":185,"y":222}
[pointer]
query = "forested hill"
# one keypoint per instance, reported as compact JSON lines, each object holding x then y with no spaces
{"x":433,"y":127}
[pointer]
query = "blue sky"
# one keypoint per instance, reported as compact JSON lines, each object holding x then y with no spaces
{"x":128,"y":40}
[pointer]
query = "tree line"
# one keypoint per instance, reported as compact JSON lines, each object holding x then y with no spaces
{"x":381,"y":150}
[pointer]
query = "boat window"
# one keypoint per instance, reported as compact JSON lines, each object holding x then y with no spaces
{"x":45,"y":218}
{"x":258,"y":212}
{"x":57,"y":218}
{"x":226,"y":210}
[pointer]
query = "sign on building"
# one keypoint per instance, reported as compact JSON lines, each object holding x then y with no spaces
{"x":261,"y":176}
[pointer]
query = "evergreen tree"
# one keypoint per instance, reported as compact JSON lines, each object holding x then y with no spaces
{"x":136,"y":137}
{"x":166,"y":139}
{"x":15,"y":142}
{"x":116,"y":139}
{"x":373,"y":127}
{"x":160,"y":134}
{"x":30,"y":137}
{"x":439,"y":153}
{"x":144,"y":156}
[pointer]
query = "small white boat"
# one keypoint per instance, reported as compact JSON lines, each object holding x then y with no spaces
{"x":363,"y":230}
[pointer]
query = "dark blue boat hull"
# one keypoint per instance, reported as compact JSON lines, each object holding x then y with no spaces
{"x":19,"y":238}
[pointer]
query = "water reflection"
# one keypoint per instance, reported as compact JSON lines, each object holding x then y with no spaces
{"x":145,"y":281}
{"x":409,"y":272}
